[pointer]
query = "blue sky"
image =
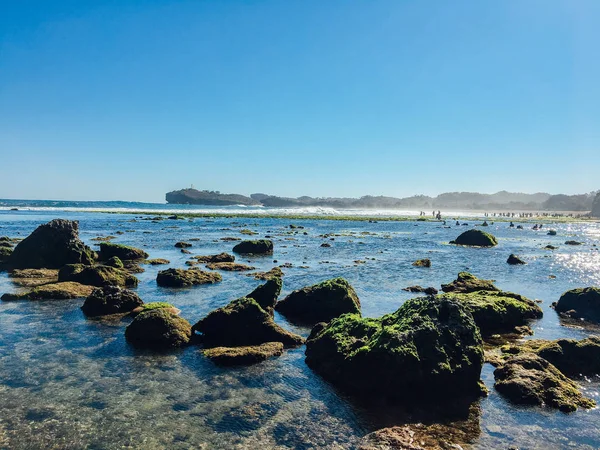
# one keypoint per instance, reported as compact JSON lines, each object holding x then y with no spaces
{"x":107,"y":100}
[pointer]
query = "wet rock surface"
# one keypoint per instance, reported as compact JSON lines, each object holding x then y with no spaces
{"x":110,"y":300}
{"x":582,"y":303}
{"x":257,"y":247}
{"x":185,"y":278}
{"x":235,"y":356}
{"x":158,"y":329}
{"x":475,"y":238}
{"x":53,"y":291}
{"x":97,"y":275}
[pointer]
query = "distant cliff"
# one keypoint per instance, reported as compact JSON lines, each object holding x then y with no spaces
{"x":195,"y":197}
{"x":502,"y":200}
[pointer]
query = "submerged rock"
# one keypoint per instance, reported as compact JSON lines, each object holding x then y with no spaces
{"x":241,"y":323}
{"x":233,"y":356}
{"x":157,"y":261}
{"x":475,"y":238}
{"x":123,"y":252}
{"x":275,"y":272}
{"x":183,"y":245}
{"x":414,"y":353}
{"x":184,"y":278}
{"x":420,"y":289}
{"x":572,"y":357}
{"x":220,"y":258}
{"x":261,"y":246}
{"x":531,"y":380}
{"x":582,"y":303}
{"x":497,"y":312}
{"x":466,"y":282}
{"x":51,"y":246}
{"x":158,"y":329}
{"x":97,"y":275}
{"x":320,"y":302}
{"x":229,"y":266}
{"x":266,"y":294}
{"x":422,"y":263}
{"x":405,"y":437}
{"x":53,"y":291}
{"x":514,"y":260}
{"x":110,"y":300}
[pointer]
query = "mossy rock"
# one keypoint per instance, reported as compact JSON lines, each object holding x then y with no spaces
{"x":275,"y":272}
{"x":51,"y":246}
{"x":529,"y":379}
{"x":266,"y":294}
{"x":412,"y":354}
{"x":185,"y":278}
{"x":53,"y":291}
{"x":123,"y":252}
{"x":115,"y":261}
{"x":110,"y":300}
{"x":257,"y":247}
{"x":158,"y":329}
{"x":476,"y":238}
{"x":466,"y":282}
{"x":581,"y":303}
{"x":422,"y":263}
{"x":242,"y":323}
{"x":5,"y":253}
{"x":229,"y":267}
{"x":157,"y":261}
{"x":497,"y":312}
{"x":220,"y":258}
{"x":156,"y":305}
{"x":246,"y":355}
{"x":320,"y":302}
{"x":97,"y":275}
{"x":572,"y":357}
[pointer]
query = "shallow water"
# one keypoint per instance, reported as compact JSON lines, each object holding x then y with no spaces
{"x":70,"y":382}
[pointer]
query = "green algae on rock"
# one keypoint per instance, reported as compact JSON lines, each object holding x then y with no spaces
{"x":260,"y":246}
{"x":275,"y":272}
{"x":528,"y":379}
{"x":466,"y":282}
{"x":320,"y":302}
{"x":581,"y":303}
{"x":5,"y":253}
{"x":241,"y":323}
{"x":220,"y":258}
{"x":52,"y":291}
{"x":416,"y":352}
{"x":185,"y":278}
{"x":157,"y":261}
{"x":496,"y":311}
{"x":158,"y":329}
{"x":229,"y":266}
{"x":422,"y":263}
{"x":110,"y":300}
{"x":266,"y":294}
{"x":97,"y":275}
{"x":51,"y":246}
{"x":246,"y":355}
{"x":123,"y":252}
{"x":476,"y":238}
{"x":114,"y":261}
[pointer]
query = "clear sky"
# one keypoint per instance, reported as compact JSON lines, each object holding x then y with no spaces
{"x":126,"y":100}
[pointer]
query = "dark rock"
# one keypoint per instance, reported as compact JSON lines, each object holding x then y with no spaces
{"x":5,"y":253}
{"x":466,"y":282}
{"x":325,"y":244}
{"x":241,"y":323}
{"x":183,"y":278}
{"x":220,"y":258}
{"x":275,"y":272}
{"x":414,"y":353}
{"x":551,"y":233}
{"x":420,"y":289}
{"x":51,"y":246}
{"x":320,"y":302}
{"x":582,"y":303}
{"x":528,"y":379}
{"x":266,"y":294}
{"x":158,"y":329}
{"x":158,"y":261}
{"x":550,"y":247}
{"x":110,"y":300}
{"x":115,"y":261}
{"x":573,"y":243}
{"x":123,"y":252}
{"x":514,"y":260}
{"x":53,"y":291}
{"x":236,"y":356}
{"x":97,"y":275}
{"x":422,"y":263}
{"x":229,"y":266}
{"x":261,"y":246}
{"x":475,"y":238}
{"x":183,"y":245}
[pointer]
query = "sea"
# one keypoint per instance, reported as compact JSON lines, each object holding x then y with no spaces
{"x":67,"y":381}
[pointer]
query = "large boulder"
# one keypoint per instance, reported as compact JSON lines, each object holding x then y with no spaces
{"x":237,"y":356}
{"x":97,"y":275}
{"x":572,"y":357}
{"x":528,"y":379}
{"x":582,"y":303}
{"x":51,"y":246}
{"x":414,"y":353}
{"x":53,"y":291}
{"x":466,"y":282}
{"x":158,"y":329}
{"x":260,"y":246}
{"x":497,"y":312}
{"x":110,"y":300}
{"x":320,"y":302}
{"x":242,"y":323}
{"x":123,"y":252}
{"x":184,"y":278}
{"x":475,"y":238}
{"x":266,"y":294}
